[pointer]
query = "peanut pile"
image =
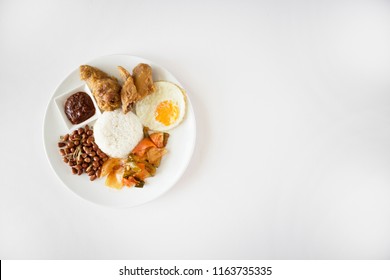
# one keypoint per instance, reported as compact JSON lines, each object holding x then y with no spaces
{"x":81,"y":153}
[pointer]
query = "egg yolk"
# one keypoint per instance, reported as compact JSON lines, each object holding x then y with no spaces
{"x":167,"y":112}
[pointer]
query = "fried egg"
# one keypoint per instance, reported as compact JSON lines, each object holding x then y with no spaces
{"x":164,"y":109}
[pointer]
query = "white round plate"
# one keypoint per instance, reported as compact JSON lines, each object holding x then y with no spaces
{"x":180,"y":146}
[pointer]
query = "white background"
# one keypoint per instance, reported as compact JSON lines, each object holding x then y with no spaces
{"x":292,"y":101}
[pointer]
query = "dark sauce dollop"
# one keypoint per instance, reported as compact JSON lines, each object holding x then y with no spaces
{"x":79,"y":107}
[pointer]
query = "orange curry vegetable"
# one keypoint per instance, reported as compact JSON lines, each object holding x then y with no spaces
{"x":141,"y":163}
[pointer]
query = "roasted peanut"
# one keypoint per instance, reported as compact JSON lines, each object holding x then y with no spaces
{"x":81,"y":144}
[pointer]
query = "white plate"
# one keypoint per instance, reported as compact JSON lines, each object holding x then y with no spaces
{"x":180,"y":146}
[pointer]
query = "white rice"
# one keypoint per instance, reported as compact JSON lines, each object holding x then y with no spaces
{"x":117,"y":134}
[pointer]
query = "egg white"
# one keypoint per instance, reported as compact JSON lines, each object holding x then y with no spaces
{"x":165,"y":91}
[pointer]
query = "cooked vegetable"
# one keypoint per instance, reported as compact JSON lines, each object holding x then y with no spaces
{"x":114,"y":179}
{"x":110,"y":165}
{"x":129,"y":182}
{"x":160,"y":139}
{"x":143,"y":146}
{"x":140,"y":164}
{"x":154,"y":155}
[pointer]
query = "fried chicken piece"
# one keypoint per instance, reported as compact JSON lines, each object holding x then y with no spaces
{"x":143,"y":80}
{"x":105,"y":88}
{"x":129,"y":93}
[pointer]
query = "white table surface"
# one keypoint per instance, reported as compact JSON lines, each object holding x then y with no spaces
{"x":292,"y":102}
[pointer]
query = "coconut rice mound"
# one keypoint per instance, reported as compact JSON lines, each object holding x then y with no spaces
{"x":117,"y":134}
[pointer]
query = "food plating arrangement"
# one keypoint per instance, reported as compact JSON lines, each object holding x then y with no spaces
{"x":120,"y":129}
